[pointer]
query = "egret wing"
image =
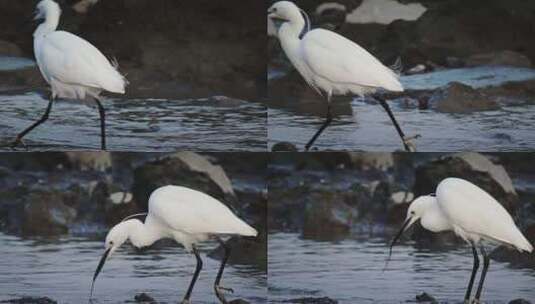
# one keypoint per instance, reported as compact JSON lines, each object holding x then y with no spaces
{"x":340,"y":60}
{"x":72,"y":60}
{"x":475,"y":211}
{"x":195,"y":212}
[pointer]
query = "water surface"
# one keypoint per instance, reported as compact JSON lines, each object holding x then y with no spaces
{"x":365,"y":126}
{"x":350,"y":271}
{"x":63,"y":269}
{"x":211,"y":124}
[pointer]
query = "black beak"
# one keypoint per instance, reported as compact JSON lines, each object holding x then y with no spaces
{"x":99,"y":268}
{"x":398,"y":235}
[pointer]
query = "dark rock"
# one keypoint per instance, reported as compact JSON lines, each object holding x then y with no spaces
{"x":519,"y":301}
{"x":284,"y":147}
{"x":30,"y":300}
{"x":245,"y":250}
{"x":508,"y":58}
{"x":239,"y":301}
{"x":46,"y":213}
{"x":144,"y":298}
{"x":426,"y":298}
{"x":326,"y":217}
{"x":514,"y":92}
{"x":461,"y":98}
{"x":473,"y":167}
{"x":312,"y":300}
{"x":213,"y":48}
{"x":9,"y":49}
{"x":172,"y":171}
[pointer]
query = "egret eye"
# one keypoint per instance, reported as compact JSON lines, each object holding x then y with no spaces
{"x":412,"y":212}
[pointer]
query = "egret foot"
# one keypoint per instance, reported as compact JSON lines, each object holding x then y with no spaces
{"x":18,"y":142}
{"x":219,"y":292}
{"x":409,"y":144}
{"x":185,"y":301}
{"x":476,"y":301}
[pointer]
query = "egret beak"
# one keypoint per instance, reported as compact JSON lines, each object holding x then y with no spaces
{"x":38,"y":15}
{"x":273,"y":15}
{"x":408,"y":222}
{"x":99,"y":268}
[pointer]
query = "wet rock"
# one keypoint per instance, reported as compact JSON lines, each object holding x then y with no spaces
{"x":312,"y":300}
{"x":9,"y":49}
{"x":181,"y":172}
{"x":514,"y":92}
{"x":30,"y":300}
{"x":426,"y":298}
{"x":245,"y":250}
{"x":239,"y":301}
{"x":100,"y":161}
{"x":519,"y":301}
{"x":474,"y":167}
{"x":284,"y":147}
{"x":509,"y":58}
{"x":327,"y":218}
{"x":46,"y":213}
{"x":144,"y":298}
{"x":461,"y":98}
{"x":379,"y":160}
{"x":198,"y":163}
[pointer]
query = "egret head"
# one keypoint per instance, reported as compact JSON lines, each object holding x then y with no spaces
{"x":416,"y":210}
{"x":47,"y":8}
{"x":284,"y":11}
{"x":115,"y":238}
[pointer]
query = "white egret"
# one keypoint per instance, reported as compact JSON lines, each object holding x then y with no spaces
{"x":472,"y":214}
{"x":73,"y":67}
{"x":331,"y":63}
{"x":185,"y":215}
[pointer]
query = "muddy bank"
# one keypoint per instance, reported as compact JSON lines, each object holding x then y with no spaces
{"x":167,"y":49}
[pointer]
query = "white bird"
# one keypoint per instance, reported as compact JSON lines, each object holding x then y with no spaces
{"x":331,"y":63}
{"x":472,"y":214}
{"x":185,"y":215}
{"x":73,"y":67}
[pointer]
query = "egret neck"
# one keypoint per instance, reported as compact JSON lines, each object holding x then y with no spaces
{"x":51,"y":21}
{"x":139,"y":234}
{"x":433,"y":219}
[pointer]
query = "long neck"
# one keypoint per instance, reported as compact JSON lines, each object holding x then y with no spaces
{"x":142,"y":235}
{"x":289,"y":38}
{"x":50,"y":24}
{"x":434,"y":219}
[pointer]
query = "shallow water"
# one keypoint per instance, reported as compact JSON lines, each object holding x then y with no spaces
{"x":350,"y":271}
{"x":212,"y":124}
{"x":366,"y":126}
{"x":63,"y":269}
{"x":369,"y":129}
{"x":8,"y":63}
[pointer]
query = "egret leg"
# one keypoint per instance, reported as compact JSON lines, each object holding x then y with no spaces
{"x":472,"y":277}
{"x":486,"y":263}
{"x":385,"y":105}
{"x":195,"y":275}
{"x":218,"y":289}
{"x":327,"y":122}
{"x":102,"y":114}
{"x":18,"y":139}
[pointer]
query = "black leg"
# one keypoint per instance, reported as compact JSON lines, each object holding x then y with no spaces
{"x":385,"y":105}
{"x":218,"y":289}
{"x":18,"y":139}
{"x":195,"y":275}
{"x":327,"y":122}
{"x":486,"y":262}
{"x":102,"y":114}
{"x":472,"y":277}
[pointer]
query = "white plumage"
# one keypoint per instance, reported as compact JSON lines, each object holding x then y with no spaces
{"x":72,"y":66}
{"x":472,"y":214}
{"x":331,"y":63}
{"x":188,"y":216}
